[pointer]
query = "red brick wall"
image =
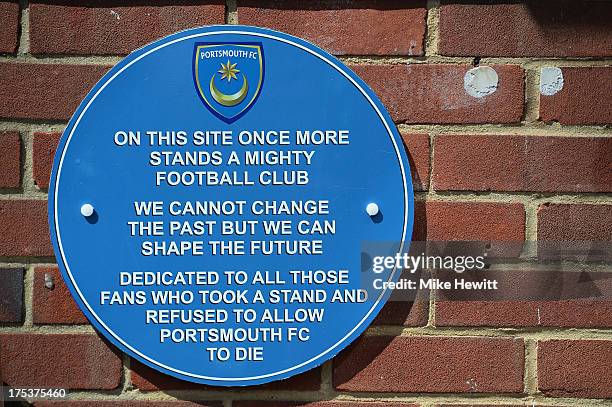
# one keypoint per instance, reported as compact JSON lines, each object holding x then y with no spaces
{"x":514,"y":164}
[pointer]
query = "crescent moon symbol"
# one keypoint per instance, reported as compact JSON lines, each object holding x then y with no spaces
{"x":229,"y":100}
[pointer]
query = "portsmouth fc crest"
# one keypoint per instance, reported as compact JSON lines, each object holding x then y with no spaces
{"x":228,"y":77}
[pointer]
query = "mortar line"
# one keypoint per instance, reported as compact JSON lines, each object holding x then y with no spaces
{"x":432,"y":59}
{"x":531,"y":226}
{"x":24,"y":28}
{"x":526,"y":263}
{"x":432,"y":146}
{"x":533,"y":264}
{"x":534,"y":129}
{"x":23,"y":151}
{"x":28,"y":297}
{"x":536,"y":333}
{"x":531,"y":370}
{"x":468,"y":399}
{"x":30,"y":328}
{"x":535,"y":198}
{"x":523,"y":62}
{"x":29,"y":125}
{"x":25,"y":265}
{"x":226,"y":396}
{"x":127,"y":373}
{"x":231,"y":12}
{"x":432,"y":23}
{"x":432,"y":399}
{"x":327,"y":385}
{"x":25,"y":195}
{"x":44,"y":59}
{"x":29,"y":188}
{"x":532,"y":95}
{"x":431,"y":315}
{"x":516,"y":197}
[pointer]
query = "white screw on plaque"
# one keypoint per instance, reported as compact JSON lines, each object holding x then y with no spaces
{"x":87,"y":210}
{"x":372,"y":209}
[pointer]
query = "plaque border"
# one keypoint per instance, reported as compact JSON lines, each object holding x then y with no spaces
{"x":204,"y":32}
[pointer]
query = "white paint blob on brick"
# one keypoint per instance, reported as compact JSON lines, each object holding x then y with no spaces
{"x":551,"y":80}
{"x":480,"y":81}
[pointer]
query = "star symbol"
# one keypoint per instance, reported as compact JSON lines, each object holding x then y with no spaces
{"x":228,"y":71}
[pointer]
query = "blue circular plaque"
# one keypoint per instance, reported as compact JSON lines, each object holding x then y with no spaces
{"x":210,"y":198}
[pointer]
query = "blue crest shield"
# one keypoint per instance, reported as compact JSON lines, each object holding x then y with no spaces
{"x":228,"y":77}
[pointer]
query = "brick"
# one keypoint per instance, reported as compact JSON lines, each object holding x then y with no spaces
{"x":419,"y":229}
{"x":45,"y":145}
{"x":431,"y":365}
{"x":417,"y":148}
{"x":10,"y":165}
{"x":72,"y":361}
{"x":9,"y":21}
{"x":429,"y":93}
{"x":507,"y":314}
{"x":522,"y":163}
{"x":69,"y":27}
{"x":147,"y":379}
{"x":54,"y":305}
{"x":364,"y":24}
{"x":24,"y":230}
{"x":575,"y":368}
{"x":11,"y":295}
{"x":584,"y":99}
{"x":25,"y":91}
{"x":474,"y":221}
{"x":530,"y":298}
{"x":563,"y":222}
{"x":534,"y":28}
{"x":405,"y":313}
